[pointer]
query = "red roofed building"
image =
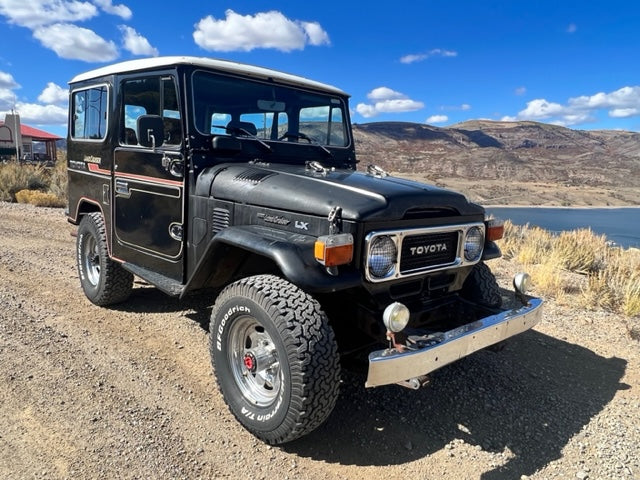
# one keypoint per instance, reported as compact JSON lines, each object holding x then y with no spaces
{"x":32,"y":143}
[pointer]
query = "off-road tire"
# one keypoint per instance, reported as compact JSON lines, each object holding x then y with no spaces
{"x":294,"y":388}
{"x":481,"y":287}
{"x":104,"y":281}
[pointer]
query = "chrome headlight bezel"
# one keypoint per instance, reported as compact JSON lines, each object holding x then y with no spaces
{"x":473,"y":244}
{"x":382,"y":255}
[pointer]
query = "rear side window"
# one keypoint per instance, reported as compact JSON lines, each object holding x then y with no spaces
{"x":90,"y":110}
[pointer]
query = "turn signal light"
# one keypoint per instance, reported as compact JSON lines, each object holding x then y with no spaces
{"x":333,"y":250}
{"x":495,"y":229}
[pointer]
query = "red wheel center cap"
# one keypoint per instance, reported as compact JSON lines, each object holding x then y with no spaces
{"x":249,"y":362}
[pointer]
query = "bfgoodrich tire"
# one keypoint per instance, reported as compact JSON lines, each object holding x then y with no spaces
{"x":481,"y":287}
{"x":104,"y":281}
{"x":275,"y":358}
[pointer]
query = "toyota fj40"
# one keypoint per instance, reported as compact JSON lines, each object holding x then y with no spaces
{"x":195,"y":173}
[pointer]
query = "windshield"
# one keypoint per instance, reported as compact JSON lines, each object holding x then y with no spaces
{"x":233,"y":106}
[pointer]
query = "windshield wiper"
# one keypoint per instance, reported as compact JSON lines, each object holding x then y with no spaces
{"x":306,"y":137}
{"x":235,"y":130}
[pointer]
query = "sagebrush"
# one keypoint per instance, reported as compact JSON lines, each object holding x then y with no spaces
{"x":50,"y":182}
{"x":578,"y":264}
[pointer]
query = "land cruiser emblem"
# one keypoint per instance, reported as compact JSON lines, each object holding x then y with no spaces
{"x":302,"y":225}
{"x":278,"y":220}
{"x":426,"y":249}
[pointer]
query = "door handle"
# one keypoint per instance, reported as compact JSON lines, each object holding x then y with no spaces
{"x":122,"y":187}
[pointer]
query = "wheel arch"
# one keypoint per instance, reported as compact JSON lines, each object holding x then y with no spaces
{"x":248,"y":250}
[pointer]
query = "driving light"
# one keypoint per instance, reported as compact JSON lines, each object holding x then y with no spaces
{"x":521,"y":282}
{"x":382,"y":257}
{"x":396,"y":317}
{"x":473,"y":243}
{"x":333,"y":250}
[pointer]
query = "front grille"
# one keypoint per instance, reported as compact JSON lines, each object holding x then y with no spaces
{"x":428,"y":250}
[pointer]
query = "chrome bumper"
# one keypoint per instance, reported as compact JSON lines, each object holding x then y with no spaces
{"x":391,"y":366}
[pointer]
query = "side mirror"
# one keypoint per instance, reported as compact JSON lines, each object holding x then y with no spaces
{"x":150,"y":130}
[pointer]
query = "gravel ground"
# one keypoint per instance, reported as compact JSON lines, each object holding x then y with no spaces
{"x":127,"y":392}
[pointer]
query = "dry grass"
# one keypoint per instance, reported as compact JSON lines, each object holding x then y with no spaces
{"x":578,"y":266}
{"x":39,"y":199}
{"x":51,"y":183}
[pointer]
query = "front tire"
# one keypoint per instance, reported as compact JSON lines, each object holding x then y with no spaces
{"x":275,"y":358}
{"x":104,"y":281}
{"x":481,"y":287}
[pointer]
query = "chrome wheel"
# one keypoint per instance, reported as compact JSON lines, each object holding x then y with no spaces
{"x":253,"y":359}
{"x":91,"y":257}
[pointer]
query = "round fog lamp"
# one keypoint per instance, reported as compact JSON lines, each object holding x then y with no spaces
{"x":395,"y":317}
{"x":521,"y":282}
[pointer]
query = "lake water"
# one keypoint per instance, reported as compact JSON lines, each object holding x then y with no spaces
{"x":621,"y":225}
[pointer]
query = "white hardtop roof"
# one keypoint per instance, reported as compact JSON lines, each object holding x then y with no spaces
{"x":224,"y":65}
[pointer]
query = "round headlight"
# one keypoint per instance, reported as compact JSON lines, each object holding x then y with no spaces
{"x":396,"y":317}
{"x":382,"y":257}
{"x":473,"y":243}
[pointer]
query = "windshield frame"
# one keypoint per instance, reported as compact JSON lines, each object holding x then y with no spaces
{"x":288,"y":101}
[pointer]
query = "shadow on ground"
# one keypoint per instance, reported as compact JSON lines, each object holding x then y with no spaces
{"x":530,"y":398}
{"x":147,"y":299}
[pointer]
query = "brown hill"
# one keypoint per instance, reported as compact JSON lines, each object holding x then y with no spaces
{"x":510,"y":162}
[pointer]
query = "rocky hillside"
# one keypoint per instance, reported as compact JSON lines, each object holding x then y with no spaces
{"x":527,"y":152}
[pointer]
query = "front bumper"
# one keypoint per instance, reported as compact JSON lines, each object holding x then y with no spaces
{"x":392,"y":366}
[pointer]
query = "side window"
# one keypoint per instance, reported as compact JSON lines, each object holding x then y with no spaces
{"x":151,"y":96}
{"x":90,"y":109}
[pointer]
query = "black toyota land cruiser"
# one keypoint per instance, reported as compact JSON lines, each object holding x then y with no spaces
{"x":194,"y":173}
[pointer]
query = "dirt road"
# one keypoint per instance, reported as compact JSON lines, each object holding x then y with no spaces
{"x":89,"y":392}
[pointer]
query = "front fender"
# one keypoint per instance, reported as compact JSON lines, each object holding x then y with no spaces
{"x":291,"y":252}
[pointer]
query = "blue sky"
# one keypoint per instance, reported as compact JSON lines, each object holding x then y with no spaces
{"x":564,"y":62}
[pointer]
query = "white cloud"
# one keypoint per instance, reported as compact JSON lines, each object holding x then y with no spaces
{"x":76,"y":43}
{"x":7,"y":95}
{"x":7,"y":81}
{"x":384,"y":93}
{"x":624,"y":112}
{"x":121,"y":10}
{"x":317,"y":36}
{"x":263,"y":30}
{"x":35,"y":13}
{"x":54,"y":94}
{"x":465,"y":106}
{"x":42,"y":114}
{"x":419,"y":57}
{"x":520,"y":91}
{"x":387,"y":100}
{"x":621,"y":103}
{"x":136,"y":43}
{"x":437,"y":119}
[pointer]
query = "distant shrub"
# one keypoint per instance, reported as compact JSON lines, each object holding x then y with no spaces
{"x":39,"y":199}
{"x":578,"y":263}
{"x":15,"y":177}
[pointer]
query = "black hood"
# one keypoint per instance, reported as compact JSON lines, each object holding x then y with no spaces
{"x":296,"y":188}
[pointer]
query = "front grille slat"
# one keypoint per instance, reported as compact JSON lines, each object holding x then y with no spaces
{"x":428,"y":250}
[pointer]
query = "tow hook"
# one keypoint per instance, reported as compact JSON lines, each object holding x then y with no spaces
{"x":415,"y":383}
